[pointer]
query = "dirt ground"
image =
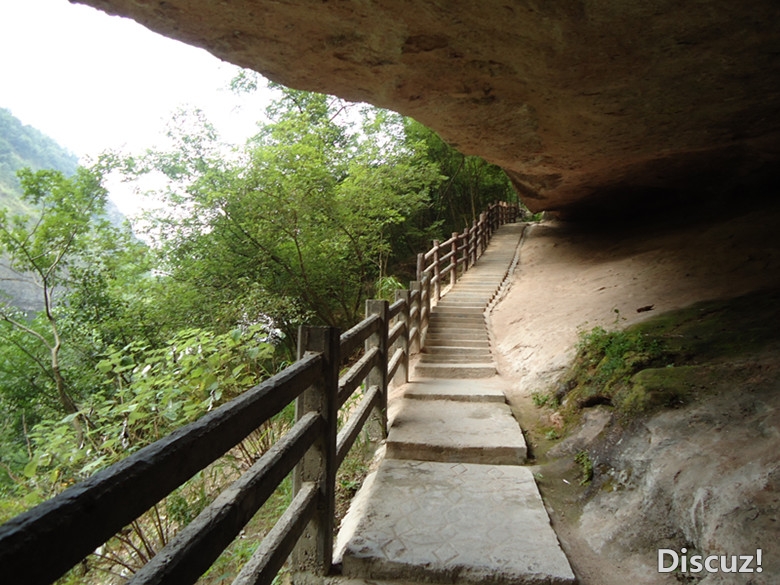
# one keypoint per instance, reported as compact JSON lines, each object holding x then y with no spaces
{"x":572,"y":278}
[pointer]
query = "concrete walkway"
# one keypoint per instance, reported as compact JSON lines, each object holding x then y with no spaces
{"x":451,"y":501}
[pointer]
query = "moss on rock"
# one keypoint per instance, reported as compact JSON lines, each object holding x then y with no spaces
{"x":666,"y":361}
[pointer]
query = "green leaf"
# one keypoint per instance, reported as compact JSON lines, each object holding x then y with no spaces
{"x":31,"y":468}
{"x":137,"y":415}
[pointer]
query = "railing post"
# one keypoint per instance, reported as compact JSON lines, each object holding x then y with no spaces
{"x":416,"y":344}
{"x":420,"y":265}
{"x":473,"y":241}
{"x":425,"y":308}
{"x":378,"y":375}
{"x":483,"y":232}
{"x":314,"y":552}
{"x":454,"y":261}
{"x":465,"y":244}
{"x":478,"y":235}
{"x":403,"y":341}
{"x":436,"y":271}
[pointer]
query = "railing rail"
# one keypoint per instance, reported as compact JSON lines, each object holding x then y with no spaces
{"x":457,"y":254}
{"x":71,"y":525}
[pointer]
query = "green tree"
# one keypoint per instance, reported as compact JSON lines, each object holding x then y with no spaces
{"x":300,"y":225}
{"x":62,"y":249}
{"x":470,"y":184}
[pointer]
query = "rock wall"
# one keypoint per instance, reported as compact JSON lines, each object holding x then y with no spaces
{"x":704,"y":475}
{"x":580,"y":101}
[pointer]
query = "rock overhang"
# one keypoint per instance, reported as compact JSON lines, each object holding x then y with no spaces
{"x":583,"y":103}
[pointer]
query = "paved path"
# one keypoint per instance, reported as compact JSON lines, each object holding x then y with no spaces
{"x":451,"y":501}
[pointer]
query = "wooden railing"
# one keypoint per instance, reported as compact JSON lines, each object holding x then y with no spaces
{"x":456,"y":255}
{"x":40,"y":545}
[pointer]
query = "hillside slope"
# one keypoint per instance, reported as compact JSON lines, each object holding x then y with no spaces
{"x":23,"y":146}
{"x":703,"y":474}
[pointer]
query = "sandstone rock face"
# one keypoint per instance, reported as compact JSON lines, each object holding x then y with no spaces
{"x":579,"y":101}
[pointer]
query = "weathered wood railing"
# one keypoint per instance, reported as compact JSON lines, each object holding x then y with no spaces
{"x":461,"y":251}
{"x":40,"y":545}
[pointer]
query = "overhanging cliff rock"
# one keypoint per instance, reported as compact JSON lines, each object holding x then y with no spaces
{"x":580,"y":102}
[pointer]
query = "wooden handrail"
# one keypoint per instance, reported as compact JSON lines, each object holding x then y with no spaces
{"x":76,"y":522}
{"x":463,"y":249}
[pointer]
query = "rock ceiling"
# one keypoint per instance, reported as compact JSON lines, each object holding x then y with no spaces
{"x":580,"y":101}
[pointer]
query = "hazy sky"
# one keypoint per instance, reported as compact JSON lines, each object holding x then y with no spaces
{"x":93,"y":81}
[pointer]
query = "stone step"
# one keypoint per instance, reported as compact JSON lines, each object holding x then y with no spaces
{"x":456,"y":350}
{"x":462,"y":523}
{"x":455,"y":337}
{"x":435,"y":342}
{"x":453,"y":358}
{"x":444,"y":331}
{"x":459,"y":306}
{"x":464,"y":293}
{"x":457,"y":334}
{"x":455,"y":371}
{"x":458,"y":316}
{"x":456,"y":313}
{"x":456,"y":431}
{"x":447,"y":323}
{"x":454,"y":310}
{"x":462,"y":390}
{"x":461,"y":291}
{"x":456,"y":320}
{"x":481,"y":301}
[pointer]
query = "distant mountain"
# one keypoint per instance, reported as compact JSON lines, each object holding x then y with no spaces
{"x":23,"y":146}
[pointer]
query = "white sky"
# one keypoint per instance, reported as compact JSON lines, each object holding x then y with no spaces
{"x":94,"y":82}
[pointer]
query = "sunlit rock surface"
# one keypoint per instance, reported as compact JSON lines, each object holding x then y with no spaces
{"x":581,"y":102}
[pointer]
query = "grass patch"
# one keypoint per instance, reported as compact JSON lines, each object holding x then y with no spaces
{"x":604,"y":366}
{"x":666,"y":361}
{"x":582,"y":458}
{"x":542,"y":399}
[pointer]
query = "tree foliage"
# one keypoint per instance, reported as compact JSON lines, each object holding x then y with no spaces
{"x":470,"y":184}
{"x":301,"y":224}
{"x":45,"y":248}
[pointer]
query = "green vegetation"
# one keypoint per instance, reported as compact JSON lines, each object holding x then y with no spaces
{"x":582,"y":458}
{"x":605,"y":363}
{"x":25,"y":147}
{"x":667,"y":361}
{"x":541,"y":399}
{"x":306,"y":221}
{"x":133,"y":339}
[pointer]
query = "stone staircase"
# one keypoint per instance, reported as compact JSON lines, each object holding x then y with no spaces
{"x":451,"y":501}
{"x":457,"y":343}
